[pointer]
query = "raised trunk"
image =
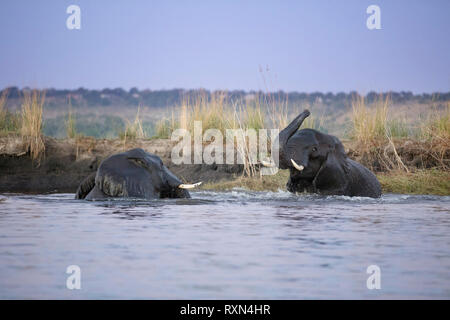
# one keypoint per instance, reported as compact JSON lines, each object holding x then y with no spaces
{"x":284,"y":136}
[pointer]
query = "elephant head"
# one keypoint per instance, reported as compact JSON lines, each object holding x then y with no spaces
{"x":136,"y":174}
{"x":312,"y":156}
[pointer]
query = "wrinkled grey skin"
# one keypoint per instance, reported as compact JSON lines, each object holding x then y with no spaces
{"x":327,"y":169}
{"x":134,"y":174}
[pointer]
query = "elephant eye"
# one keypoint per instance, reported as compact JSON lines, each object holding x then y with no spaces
{"x":314,"y":149}
{"x":139,"y":162}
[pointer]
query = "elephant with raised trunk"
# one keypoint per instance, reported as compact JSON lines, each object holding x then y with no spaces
{"x":318,"y":164}
{"x":133,"y":174}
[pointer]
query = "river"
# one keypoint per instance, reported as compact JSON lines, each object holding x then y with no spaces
{"x":225,"y":245}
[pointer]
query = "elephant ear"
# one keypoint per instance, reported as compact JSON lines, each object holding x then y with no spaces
{"x":340,"y":154}
{"x":332,"y":177}
{"x":85,"y":186}
{"x":110,"y":185}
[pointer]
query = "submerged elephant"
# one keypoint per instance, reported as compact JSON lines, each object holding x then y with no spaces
{"x":318,"y":164}
{"x":136,"y":174}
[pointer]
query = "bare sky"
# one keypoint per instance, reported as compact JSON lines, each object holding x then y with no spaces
{"x":298,"y":45}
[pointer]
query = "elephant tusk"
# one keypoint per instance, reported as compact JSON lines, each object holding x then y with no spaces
{"x":267,"y":164}
{"x":296,"y":166}
{"x":189,"y":186}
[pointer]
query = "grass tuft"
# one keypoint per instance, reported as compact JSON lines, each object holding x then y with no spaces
{"x":9,"y":122}
{"x":70,"y":123}
{"x":133,"y":130}
{"x":437,"y":125}
{"x":165,"y":127}
{"x":31,"y":127}
{"x":369,"y":124}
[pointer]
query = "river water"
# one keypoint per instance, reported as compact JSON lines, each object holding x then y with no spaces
{"x":225,"y":245}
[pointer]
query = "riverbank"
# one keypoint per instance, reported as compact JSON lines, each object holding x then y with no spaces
{"x":425,"y":182}
{"x":65,"y":163}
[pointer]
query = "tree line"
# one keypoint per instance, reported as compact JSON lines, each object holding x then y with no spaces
{"x":165,"y":98}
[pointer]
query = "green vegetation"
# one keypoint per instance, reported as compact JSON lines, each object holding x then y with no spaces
{"x":91,"y":125}
{"x":9,"y":122}
{"x":165,"y":127}
{"x":421,"y":182}
{"x":71,"y":125}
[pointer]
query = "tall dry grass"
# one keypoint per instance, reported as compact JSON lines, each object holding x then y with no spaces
{"x":3,"y":99}
{"x":217,"y":111}
{"x":435,"y":131}
{"x":369,"y":123}
{"x":213,"y":111}
{"x":378,"y":137}
{"x":374,"y":133}
{"x":31,"y":126}
{"x":9,"y":122}
{"x":3,"y":112}
{"x":70,"y":124}
{"x":437,"y":126}
{"x":165,"y":127}
{"x":275,"y":107}
{"x":133,"y":129}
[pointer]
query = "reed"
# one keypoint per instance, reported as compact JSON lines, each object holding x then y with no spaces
{"x":70,"y":124}
{"x":165,"y":127}
{"x":437,"y":125}
{"x":3,"y":99}
{"x":435,"y":131}
{"x":369,"y":124}
{"x":133,"y":130}
{"x":217,"y":111}
{"x":31,"y":126}
{"x":213,"y":111}
{"x":9,"y":122}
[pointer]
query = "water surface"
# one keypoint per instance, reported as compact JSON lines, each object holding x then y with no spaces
{"x":224,"y":245}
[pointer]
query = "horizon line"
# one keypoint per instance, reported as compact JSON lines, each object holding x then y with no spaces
{"x":224,"y":90}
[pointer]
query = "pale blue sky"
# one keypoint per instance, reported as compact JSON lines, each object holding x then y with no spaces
{"x":307,"y":45}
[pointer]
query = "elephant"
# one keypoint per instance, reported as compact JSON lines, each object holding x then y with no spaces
{"x":135,"y":174}
{"x":318,"y":163}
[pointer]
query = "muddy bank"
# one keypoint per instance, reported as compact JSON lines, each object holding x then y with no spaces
{"x":67,"y":162}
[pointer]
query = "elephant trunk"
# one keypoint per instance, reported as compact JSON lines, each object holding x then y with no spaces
{"x":284,"y":136}
{"x":287,"y":132}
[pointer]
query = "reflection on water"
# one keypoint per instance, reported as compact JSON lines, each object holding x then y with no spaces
{"x":225,"y":245}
